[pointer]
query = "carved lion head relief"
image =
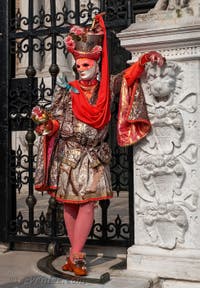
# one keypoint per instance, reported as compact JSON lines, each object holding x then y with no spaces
{"x":164,"y":82}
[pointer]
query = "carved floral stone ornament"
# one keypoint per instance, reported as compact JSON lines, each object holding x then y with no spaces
{"x":165,"y":102}
{"x":161,"y":158}
{"x":171,"y":4}
{"x":171,"y":11}
{"x":159,"y":218}
{"x":174,"y":5}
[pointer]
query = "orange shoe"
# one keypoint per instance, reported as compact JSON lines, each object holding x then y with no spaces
{"x":66,"y":266}
{"x":78,"y":265}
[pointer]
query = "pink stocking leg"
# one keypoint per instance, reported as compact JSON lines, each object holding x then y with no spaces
{"x":82,"y":226}
{"x":70,"y":215}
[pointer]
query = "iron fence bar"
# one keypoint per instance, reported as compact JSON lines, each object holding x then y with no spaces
{"x":77,"y":12}
{"x":54,"y":69}
{"x":30,"y":29}
{"x":30,"y":136}
{"x":102,"y":6}
{"x":129,"y":12}
{"x":104,"y":219}
{"x":5,"y":191}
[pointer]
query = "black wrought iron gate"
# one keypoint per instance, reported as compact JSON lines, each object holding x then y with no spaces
{"x":24,"y":82}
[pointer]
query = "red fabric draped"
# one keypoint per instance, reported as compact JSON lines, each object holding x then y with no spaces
{"x":97,"y":115}
{"x":132,"y":126}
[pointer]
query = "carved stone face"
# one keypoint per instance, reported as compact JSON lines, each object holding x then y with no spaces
{"x":162,"y":82}
{"x":87,"y":68}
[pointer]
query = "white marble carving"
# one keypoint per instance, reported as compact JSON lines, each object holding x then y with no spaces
{"x":163,"y":85}
{"x":161,"y":157}
{"x":171,"y":4}
{"x":167,"y":168}
{"x":171,"y":12}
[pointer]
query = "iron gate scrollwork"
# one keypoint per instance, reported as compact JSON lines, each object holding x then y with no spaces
{"x":39,"y":35}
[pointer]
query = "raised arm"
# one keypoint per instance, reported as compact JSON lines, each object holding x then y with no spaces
{"x":133,"y":122}
{"x":136,"y":69}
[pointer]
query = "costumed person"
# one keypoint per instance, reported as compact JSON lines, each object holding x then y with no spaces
{"x":73,"y":157}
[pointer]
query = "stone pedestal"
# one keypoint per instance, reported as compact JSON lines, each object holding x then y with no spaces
{"x":167,"y":162}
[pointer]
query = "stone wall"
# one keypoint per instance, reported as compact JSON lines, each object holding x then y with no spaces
{"x":167,"y":163}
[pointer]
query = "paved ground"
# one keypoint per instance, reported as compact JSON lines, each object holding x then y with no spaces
{"x":19,"y":269}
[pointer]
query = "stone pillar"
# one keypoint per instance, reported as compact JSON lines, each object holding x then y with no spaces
{"x":167,"y":162}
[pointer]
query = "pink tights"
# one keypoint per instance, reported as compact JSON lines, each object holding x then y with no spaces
{"x":78,"y":221}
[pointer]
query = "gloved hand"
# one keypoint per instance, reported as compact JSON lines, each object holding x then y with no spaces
{"x":45,"y":128}
{"x":153,"y":57}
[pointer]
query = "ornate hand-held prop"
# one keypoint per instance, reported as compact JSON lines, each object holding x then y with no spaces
{"x":42,"y":117}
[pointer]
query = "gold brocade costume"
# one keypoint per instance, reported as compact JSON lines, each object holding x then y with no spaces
{"x":79,"y":167}
{"x":84,"y":170}
{"x":74,"y":166}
